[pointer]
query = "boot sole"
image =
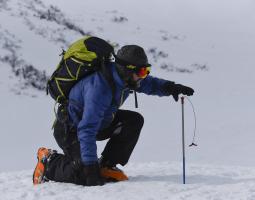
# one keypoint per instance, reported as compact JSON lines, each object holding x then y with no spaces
{"x":40,"y":168}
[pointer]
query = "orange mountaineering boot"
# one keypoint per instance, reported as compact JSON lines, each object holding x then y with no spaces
{"x":43,"y":155}
{"x":113,"y":174}
{"x":110,"y":172}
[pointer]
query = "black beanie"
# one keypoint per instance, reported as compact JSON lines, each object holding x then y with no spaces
{"x":132,"y":55}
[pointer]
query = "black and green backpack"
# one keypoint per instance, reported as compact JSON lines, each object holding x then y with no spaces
{"x":83,"y":57}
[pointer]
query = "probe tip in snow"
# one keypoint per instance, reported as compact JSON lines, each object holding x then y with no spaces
{"x":192,"y":144}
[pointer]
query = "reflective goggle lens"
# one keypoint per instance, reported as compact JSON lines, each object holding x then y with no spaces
{"x":143,"y":72}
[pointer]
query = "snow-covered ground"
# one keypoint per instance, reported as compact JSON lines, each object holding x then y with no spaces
{"x":152,"y":181}
{"x":208,"y":45}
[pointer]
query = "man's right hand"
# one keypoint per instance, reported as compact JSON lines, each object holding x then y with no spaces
{"x":92,"y":174}
{"x":170,"y":88}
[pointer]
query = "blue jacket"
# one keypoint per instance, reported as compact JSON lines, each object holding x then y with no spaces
{"x":90,"y":106}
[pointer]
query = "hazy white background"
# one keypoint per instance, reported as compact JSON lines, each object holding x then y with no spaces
{"x":218,"y":34}
{"x":215,"y":40}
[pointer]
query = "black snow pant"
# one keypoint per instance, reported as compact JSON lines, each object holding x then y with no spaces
{"x":123,"y":134}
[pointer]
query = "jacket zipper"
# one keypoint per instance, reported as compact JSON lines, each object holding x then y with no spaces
{"x":121,"y":100}
{"x":122,"y":96}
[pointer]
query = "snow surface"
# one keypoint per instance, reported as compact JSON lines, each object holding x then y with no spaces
{"x":151,"y":181}
{"x":208,"y":45}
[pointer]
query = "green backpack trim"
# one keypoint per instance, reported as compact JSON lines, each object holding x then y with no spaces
{"x":82,"y":58}
{"x":79,"y":50}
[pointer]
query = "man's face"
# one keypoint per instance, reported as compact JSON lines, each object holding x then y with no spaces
{"x":136,"y":80}
{"x":130,"y":77}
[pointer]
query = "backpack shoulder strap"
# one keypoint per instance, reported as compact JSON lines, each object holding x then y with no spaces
{"x":106,"y":72}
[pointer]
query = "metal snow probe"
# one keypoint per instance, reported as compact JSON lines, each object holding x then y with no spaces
{"x":183,"y":137}
{"x":183,"y":143}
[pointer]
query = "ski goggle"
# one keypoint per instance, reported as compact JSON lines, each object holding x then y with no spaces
{"x":141,"y":72}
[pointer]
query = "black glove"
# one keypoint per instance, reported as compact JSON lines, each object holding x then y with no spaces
{"x":170,"y":88}
{"x":92,"y":174}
